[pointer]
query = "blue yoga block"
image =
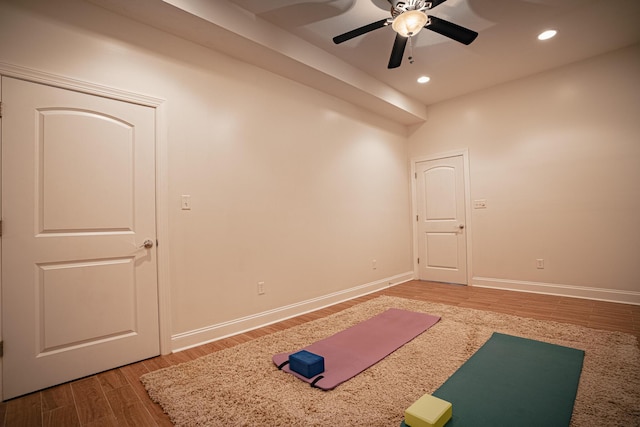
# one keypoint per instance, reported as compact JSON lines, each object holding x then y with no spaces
{"x":306,"y":363}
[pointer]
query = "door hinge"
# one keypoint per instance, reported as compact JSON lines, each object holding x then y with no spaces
{"x":416,"y":217}
{"x":415,"y":175}
{"x":0,"y":228}
{"x":0,"y":109}
{"x":418,"y":260}
{"x":1,"y":348}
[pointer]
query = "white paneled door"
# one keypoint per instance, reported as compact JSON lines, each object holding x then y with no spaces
{"x":440,"y":197}
{"x":79,"y":285}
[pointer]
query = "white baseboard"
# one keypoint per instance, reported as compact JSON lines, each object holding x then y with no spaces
{"x":600,"y":294}
{"x":218,"y":331}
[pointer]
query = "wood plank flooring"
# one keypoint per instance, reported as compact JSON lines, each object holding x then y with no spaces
{"x":117,"y":398}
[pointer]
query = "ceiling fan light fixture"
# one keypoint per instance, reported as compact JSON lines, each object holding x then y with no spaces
{"x":409,"y":23}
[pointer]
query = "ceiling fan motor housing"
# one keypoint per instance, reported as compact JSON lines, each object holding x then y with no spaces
{"x":401,"y":6}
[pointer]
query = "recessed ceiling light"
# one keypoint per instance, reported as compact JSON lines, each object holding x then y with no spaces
{"x":423,"y":79}
{"x":546,"y":35}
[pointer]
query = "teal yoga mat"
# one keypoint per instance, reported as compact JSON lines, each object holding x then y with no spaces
{"x":513,"y":381}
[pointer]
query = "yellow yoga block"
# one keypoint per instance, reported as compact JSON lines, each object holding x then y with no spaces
{"x":428,"y":411}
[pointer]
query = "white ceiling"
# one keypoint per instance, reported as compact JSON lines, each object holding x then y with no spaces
{"x":294,"y":38}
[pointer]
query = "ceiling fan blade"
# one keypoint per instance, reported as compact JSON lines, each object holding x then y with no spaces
{"x":451,"y":30}
{"x":397,"y":52}
{"x":359,"y":31}
{"x":435,"y":3}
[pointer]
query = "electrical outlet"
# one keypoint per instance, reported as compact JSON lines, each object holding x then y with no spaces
{"x":260,"y":288}
{"x":540,"y":263}
{"x":374,"y":264}
{"x":480,"y":204}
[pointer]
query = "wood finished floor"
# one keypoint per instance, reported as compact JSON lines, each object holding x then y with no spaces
{"x":117,"y":398}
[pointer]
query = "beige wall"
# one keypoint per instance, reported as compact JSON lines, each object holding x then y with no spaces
{"x":302,"y":191}
{"x":288,"y":185}
{"x":557,"y":157}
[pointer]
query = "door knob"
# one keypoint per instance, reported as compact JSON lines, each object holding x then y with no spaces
{"x":148,"y":244}
{"x":461,"y":226}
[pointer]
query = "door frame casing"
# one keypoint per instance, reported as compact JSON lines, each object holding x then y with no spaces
{"x":467,"y":206}
{"x":161,"y":181}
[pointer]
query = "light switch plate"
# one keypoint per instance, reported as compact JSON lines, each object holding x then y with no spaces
{"x":186,"y":202}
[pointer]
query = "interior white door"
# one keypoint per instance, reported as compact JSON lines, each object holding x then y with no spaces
{"x":79,"y":287}
{"x":442,"y":248}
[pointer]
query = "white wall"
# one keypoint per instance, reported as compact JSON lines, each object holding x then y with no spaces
{"x":288,"y":185}
{"x":557,"y":157}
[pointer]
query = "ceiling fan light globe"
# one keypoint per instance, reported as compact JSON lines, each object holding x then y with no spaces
{"x":409,"y":23}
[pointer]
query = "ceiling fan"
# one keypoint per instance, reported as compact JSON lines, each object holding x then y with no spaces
{"x":408,"y":17}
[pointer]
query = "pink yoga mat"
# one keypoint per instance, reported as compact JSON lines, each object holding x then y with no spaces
{"x":353,"y":350}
